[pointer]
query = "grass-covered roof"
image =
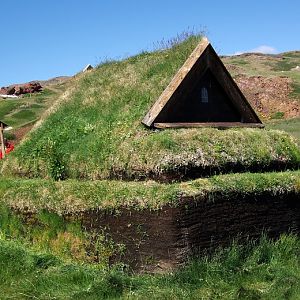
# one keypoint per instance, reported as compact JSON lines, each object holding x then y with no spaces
{"x":95,"y":132}
{"x":73,"y":196}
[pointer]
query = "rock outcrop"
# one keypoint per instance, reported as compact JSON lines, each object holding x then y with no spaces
{"x":20,"y":89}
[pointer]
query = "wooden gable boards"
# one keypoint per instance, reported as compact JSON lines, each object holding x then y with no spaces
{"x":3,"y":125}
{"x":201,"y":94}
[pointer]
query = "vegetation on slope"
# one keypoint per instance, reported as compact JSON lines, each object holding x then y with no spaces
{"x":283,"y":64}
{"x":22,"y":113}
{"x":51,"y":233}
{"x":12,"y":110}
{"x":73,"y":196}
{"x":270,"y":82}
{"x":290,"y":126}
{"x":263,"y":270}
{"x":166,"y":155}
{"x":96,"y":133}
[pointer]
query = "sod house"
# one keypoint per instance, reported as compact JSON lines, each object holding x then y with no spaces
{"x":90,"y":174}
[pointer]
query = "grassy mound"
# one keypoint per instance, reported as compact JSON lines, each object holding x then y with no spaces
{"x":265,"y":270}
{"x":73,"y":196}
{"x":96,"y":132}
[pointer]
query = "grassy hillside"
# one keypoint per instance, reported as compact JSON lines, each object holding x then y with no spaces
{"x":265,"y":270}
{"x":96,"y":133}
{"x":19,"y":112}
{"x":27,"y":110}
{"x":290,"y":126}
{"x":22,"y":113}
{"x":164,"y":155}
{"x":270,"y":82}
{"x":108,"y":103}
{"x":280,"y":65}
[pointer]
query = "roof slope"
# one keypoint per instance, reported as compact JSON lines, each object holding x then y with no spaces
{"x":4,"y":125}
{"x":95,"y":132}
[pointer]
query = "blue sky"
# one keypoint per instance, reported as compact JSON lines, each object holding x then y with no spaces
{"x":42,"y":39}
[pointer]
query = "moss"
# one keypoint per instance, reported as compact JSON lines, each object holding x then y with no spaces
{"x":73,"y":196}
{"x":277,"y":115}
{"x":47,"y":231}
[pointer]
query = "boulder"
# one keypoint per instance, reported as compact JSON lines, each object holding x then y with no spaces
{"x":10,"y":90}
{"x":3,"y":91}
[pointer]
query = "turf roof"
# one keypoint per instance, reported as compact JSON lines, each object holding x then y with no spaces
{"x":95,"y":132}
{"x":73,"y":196}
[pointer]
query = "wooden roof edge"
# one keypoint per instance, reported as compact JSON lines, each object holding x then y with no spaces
{"x":237,"y":88}
{"x":208,"y":124}
{"x":4,"y":124}
{"x":175,"y":82}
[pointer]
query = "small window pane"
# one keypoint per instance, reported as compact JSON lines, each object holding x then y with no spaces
{"x":204,"y":95}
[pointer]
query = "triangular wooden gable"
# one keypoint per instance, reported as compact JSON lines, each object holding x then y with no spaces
{"x":3,"y":125}
{"x":201,"y":94}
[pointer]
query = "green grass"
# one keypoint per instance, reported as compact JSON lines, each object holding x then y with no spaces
{"x":277,"y":115}
{"x":106,"y":108}
{"x":6,"y":107}
{"x":85,"y":152}
{"x":263,"y":270}
{"x":46,"y":215}
{"x":73,"y":196}
{"x":100,"y":135}
{"x":284,"y":65}
{"x":48,"y":232}
{"x":237,"y":61}
{"x":290,"y":126}
{"x":95,"y":133}
{"x":293,"y":54}
{"x":295,"y":75}
{"x":26,"y":109}
{"x":25,"y":114}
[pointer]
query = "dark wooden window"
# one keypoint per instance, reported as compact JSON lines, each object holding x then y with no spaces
{"x":204,"y":95}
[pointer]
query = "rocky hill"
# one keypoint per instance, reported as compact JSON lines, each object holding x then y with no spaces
{"x":270,"y":82}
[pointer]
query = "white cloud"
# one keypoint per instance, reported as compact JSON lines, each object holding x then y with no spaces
{"x":260,"y":49}
{"x":265,"y":50}
{"x":238,"y":53}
